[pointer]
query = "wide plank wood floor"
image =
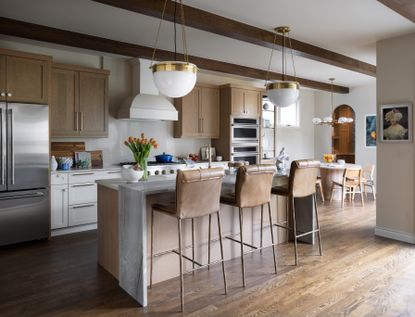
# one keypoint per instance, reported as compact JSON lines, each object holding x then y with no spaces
{"x":358,"y":275}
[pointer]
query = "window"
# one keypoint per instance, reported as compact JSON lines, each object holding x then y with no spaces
{"x":289,"y":116}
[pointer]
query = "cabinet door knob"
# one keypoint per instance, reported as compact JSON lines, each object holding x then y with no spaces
{"x":9,"y":94}
{"x":3,"y":94}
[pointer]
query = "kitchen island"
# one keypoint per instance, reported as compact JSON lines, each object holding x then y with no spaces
{"x":123,"y":210}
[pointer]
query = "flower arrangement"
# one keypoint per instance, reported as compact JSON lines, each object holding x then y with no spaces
{"x":141,"y":147}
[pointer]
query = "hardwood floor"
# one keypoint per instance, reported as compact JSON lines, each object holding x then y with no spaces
{"x":358,"y":275}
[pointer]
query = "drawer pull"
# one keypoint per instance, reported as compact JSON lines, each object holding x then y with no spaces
{"x":83,"y":185}
{"x":82,"y":206}
{"x":113,"y":172}
{"x":82,"y":174}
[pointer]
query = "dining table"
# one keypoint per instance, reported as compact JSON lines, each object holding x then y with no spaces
{"x":333,"y":172}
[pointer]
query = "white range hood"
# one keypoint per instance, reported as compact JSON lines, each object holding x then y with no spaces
{"x":145,"y":102}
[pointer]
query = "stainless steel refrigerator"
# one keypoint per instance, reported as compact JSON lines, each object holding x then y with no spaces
{"x":24,"y":174}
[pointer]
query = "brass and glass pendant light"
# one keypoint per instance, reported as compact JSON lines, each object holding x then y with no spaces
{"x":174,"y":78}
{"x":328,"y":120}
{"x":284,"y":93}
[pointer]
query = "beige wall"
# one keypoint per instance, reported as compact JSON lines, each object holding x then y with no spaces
{"x":395,"y":214}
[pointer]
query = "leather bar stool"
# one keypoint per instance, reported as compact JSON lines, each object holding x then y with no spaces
{"x":197,"y":195}
{"x":302,"y":183}
{"x":252,"y":189}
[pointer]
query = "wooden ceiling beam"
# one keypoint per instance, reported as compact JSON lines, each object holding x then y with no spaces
{"x":85,"y":41}
{"x":213,"y":23}
{"x":406,"y":8}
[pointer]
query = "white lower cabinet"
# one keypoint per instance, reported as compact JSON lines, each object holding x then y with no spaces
{"x":82,"y":214}
{"x":59,"y":206}
{"x":74,"y":199}
{"x":82,"y":193}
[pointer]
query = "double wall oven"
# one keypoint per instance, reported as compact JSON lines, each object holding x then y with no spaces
{"x":245,"y":140}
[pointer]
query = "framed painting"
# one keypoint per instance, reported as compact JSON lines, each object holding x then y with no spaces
{"x":396,"y":123}
{"x":370,"y":130}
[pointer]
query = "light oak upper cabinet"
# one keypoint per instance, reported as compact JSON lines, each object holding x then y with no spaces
{"x":209,"y":111}
{"x":24,"y":77}
{"x":244,"y":102}
{"x":65,"y":102}
{"x":198,"y":113}
{"x":93,"y":104}
{"x":79,"y":105}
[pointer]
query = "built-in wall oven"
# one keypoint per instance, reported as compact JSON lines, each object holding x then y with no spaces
{"x":248,"y":152}
{"x":244,"y":130}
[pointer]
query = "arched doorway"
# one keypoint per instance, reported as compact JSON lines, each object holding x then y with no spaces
{"x":343,"y":135}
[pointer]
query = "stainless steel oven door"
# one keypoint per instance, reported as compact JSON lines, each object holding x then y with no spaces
{"x":245,"y":133}
{"x":244,"y":148}
{"x":252,"y":158}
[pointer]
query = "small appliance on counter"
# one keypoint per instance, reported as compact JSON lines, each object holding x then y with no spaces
{"x":204,"y":153}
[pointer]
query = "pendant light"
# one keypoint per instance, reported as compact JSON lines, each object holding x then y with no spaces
{"x":284,"y":93}
{"x":329,"y":119}
{"x":174,"y":79}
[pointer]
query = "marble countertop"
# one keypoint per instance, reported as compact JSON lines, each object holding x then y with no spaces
{"x":86,"y":170}
{"x":154,"y":182}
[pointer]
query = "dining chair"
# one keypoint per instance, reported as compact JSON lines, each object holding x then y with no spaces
{"x":351,"y":180}
{"x":368,"y":179}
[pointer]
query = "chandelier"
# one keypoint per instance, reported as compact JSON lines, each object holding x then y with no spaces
{"x":329,"y":119}
{"x":284,"y":93}
{"x":174,"y":78}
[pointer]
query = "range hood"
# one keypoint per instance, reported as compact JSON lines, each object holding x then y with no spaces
{"x":145,"y":102}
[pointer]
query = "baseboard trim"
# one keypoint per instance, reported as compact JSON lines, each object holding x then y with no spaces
{"x":69,"y":230}
{"x":395,"y":235}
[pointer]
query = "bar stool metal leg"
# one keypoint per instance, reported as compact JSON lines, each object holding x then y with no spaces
{"x":151,"y":247}
{"x":221,"y":252}
{"x":242,"y":246}
{"x":193,"y":245}
{"x":295,"y":230}
{"x":272,"y":237}
{"x":262,"y":224}
{"x":318,"y":225}
{"x":209,"y":237}
{"x":181,"y":265}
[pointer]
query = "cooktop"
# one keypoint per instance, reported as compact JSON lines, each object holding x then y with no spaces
{"x":151,"y":163}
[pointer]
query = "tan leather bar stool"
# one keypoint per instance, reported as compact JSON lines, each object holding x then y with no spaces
{"x":302,"y":183}
{"x":252,"y":189}
{"x":197,"y":195}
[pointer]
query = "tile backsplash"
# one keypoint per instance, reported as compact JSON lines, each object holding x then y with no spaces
{"x":114,"y":150}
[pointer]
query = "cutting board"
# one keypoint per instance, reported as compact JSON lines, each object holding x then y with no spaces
{"x":59,"y":149}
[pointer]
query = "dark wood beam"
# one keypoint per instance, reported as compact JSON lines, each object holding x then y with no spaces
{"x":406,"y":8}
{"x":85,"y":41}
{"x":213,"y":23}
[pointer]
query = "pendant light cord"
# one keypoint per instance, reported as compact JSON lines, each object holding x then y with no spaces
{"x":270,"y":59}
{"x":175,"y":31}
{"x":158,"y":33}
{"x":185,"y":53}
{"x":283,"y":56}
{"x":292,"y":56}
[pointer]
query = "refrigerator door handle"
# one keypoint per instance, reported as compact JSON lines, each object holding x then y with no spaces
{"x":11,"y":136}
{"x":38,"y":194}
{"x":2,"y":149}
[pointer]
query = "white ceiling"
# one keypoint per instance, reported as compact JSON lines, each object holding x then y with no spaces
{"x":349,"y":27}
